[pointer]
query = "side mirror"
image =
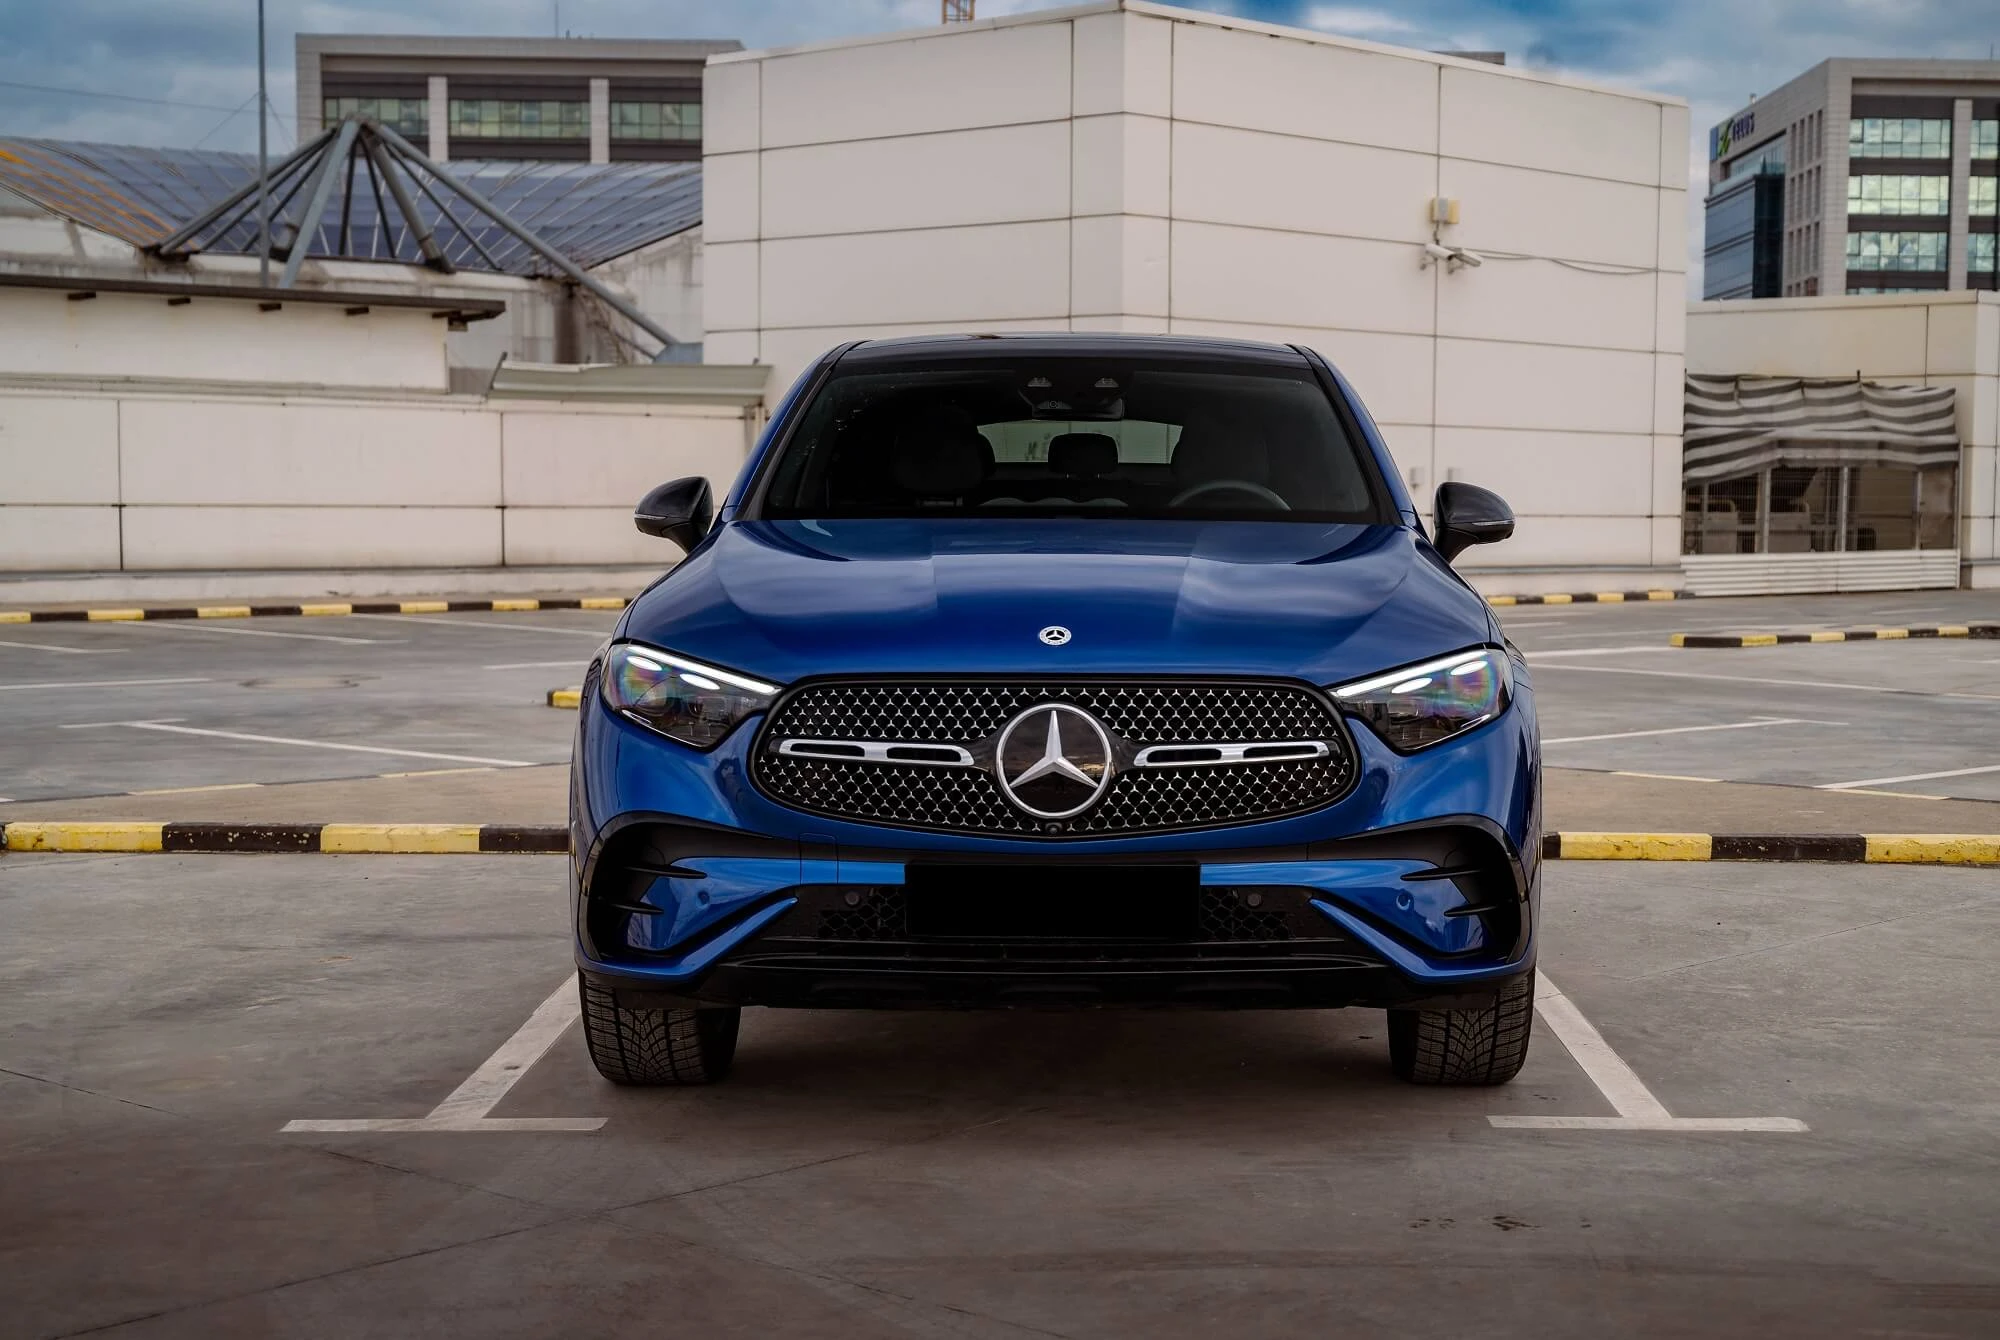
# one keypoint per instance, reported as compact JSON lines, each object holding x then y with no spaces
{"x":681,"y":511}
{"x":1468,"y":515}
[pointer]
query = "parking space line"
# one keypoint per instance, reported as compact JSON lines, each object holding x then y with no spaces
{"x":101,"y":683}
{"x":319,"y":744}
{"x":1781,"y":683}
{"x":184,"y":626}
{"x":1638,"y":1109}
{"x":466,"y":1107}
{"x":533,"y":665}
{"x":1690,"y":730}
{"x":1908,"y":777}
{"x":599,"y":634}
{"x":66,"y":651}
{"x":1536,"y":654}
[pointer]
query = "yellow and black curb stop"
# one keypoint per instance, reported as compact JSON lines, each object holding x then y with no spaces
{"x":376,"y":839}
{"x":565,"y":697}
{"x":1834,"y":635}
{"x":1846,"y":848}
{"x":1585,"y":598}
{"x":136,"y":614}
{"x":553,"y":839}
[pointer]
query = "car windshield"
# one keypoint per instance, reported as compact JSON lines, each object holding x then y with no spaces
{"x":1074,"y":437}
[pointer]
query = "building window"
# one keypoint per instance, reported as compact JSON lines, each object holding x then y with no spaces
{"x":656,"y":121}
{"x":1822,"y":509}
{"x":1899,"y":195}
{"x":1892,"y":137}
{"x":1986,"y":139}
{"x":405,"y":116}
{"x":1895,"y":251}
{"x":1982,"y":253}
{"x":517,"y":119}
{"x":1983,"y":196}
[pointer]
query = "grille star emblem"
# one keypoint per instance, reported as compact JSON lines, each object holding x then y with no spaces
{"x":1053,"y":761}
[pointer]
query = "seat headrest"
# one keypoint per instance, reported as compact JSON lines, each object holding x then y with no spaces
{"x":1208,"y":452}
{"x":939,"y":453}
{"x":1083,"y":455}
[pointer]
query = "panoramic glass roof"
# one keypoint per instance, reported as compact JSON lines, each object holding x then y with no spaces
{"x":591,"y":212}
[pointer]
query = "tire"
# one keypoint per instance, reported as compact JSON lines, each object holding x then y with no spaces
{"x":1465,"y":1046}
{"x":648,"y":1047}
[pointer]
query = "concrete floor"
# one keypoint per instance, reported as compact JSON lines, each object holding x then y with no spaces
{"x":106,"y":709}
{"x":1158,"y":1174}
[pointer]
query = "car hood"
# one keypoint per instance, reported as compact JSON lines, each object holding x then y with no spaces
{"x":790,"y":599}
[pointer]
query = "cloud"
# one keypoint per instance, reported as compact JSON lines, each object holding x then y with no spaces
{"x":1353,"y":21}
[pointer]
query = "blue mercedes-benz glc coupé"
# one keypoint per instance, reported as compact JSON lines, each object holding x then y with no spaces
{"x":1059,"y":670}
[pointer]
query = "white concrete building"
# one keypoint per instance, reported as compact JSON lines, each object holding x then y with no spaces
{"x":1936,"y":339}
{"x":162,"y":441}
{"x":1127,"y":166}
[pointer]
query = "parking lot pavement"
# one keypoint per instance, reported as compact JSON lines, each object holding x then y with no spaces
{"x":162,"y":1018}
{"x":111,"y":708}
{"x":1914,"y":717}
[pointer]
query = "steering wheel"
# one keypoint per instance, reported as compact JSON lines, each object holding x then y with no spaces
{"x":1257,"y":491}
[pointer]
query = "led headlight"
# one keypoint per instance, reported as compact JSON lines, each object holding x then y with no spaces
{"x":681,"y":699}
{"x":1423,"y":704}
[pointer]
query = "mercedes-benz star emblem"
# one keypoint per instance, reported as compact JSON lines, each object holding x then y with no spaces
{"x":1054,"y":761}
{"x":1055,"y":635}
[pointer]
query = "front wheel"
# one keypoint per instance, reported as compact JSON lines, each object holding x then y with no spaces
{"x":657,"y":1046}
{"x":1485,"y":1046}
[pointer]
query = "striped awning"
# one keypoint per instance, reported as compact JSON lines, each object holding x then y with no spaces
{"x":1739,"y":425}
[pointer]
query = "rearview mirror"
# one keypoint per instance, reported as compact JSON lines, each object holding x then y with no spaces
{"x":681,"y":511}
{"x":1468,"y":515}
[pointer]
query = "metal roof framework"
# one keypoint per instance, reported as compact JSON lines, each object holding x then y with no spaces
{"x":360,"y":191}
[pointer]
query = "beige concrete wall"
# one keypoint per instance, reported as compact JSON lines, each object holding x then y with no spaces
{"x":126,"y":335}
{"x":1926,"y":339}
{"x":1131,"y":167}
{"x":153,"y":480}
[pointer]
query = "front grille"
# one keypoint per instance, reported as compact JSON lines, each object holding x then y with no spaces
{"x":1137,"y":715}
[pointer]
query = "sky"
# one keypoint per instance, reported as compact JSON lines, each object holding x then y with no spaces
{"x":183,"y":72}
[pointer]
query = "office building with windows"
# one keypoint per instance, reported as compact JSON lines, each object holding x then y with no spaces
{"x":1859,"y":176}
{"x":548,"y":99}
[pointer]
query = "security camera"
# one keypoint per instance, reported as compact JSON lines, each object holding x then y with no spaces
{"x":1463,"y":257}
{"x":1435,"y":252}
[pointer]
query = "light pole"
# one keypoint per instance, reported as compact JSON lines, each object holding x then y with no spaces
{"x":263,"y":164}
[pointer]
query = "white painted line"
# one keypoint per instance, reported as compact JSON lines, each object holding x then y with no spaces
{"x":1618,"y":1082}
{"x":1690,"y":730}
{"x":1537,"y":655}
{"x":66,"y":651}
{"x":189,"y":626}
{"x":1909,"y":777}
{"x":1781,"y":683}
{"x":1774,"y":1124}
{"x":538,"y":665}
{"x":323,"y":744}
{"x":1665,"y":776}
{"x":597,"y":633}
{"x":465,"y":1108}
{"x":426,"y":1124}
{"x":486,"y":1086}
{"x":102,"y":683}
{"x":100,"y":725}
{"x":1637,"y":1108}
{"x":190,"y":790}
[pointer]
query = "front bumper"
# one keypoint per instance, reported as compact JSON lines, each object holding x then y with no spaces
{"x":1420,"y":888}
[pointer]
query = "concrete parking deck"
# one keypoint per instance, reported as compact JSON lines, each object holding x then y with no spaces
{"x":980,"y":1174}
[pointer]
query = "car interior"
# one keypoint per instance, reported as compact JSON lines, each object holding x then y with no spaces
{"x":1103,"y":442}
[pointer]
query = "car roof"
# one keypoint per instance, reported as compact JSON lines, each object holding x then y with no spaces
{"x":1063,"y":344}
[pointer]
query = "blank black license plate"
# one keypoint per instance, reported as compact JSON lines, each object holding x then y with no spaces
{"x":1040,"y":902}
